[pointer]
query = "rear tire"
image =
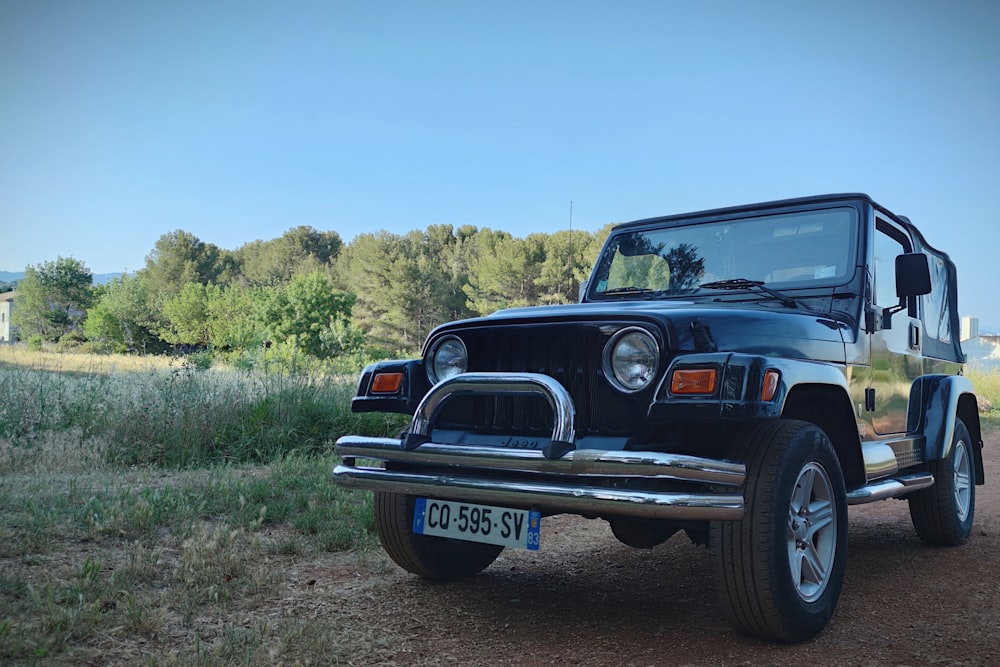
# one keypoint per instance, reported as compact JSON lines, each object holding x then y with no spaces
{"x":942,"y":514}
{"x":779,"y":570}
{"x":436,"y":558}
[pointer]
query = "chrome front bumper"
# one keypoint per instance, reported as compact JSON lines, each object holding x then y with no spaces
{"x":557,"y":479}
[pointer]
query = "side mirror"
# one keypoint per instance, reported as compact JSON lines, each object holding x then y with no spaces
{"x":913,"y":276}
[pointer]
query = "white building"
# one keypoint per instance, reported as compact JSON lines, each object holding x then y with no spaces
{"x":970,"y":328}
{"x":6,"y":306}
{"x":980,"y":350}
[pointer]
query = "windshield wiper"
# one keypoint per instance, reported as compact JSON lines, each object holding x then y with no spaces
{"x":644,"y":292}
{"x":743,"y":283}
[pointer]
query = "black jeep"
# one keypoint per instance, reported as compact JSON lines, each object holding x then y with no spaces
{"x":740,"y":374}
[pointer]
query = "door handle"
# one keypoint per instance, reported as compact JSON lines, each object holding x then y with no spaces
{"x":914,"y":336}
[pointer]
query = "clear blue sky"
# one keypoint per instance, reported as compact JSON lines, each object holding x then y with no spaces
{"x":121,"y":121}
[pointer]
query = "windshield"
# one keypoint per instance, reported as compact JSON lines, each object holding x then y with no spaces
{"x":789,"y":250}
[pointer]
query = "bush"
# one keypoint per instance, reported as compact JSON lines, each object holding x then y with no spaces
{"x":71,"y":341}
{"x":201,"y":361}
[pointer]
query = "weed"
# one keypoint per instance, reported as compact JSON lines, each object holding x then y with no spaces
{"x":140,"y":568}
{"x":287,"y":546}
{"x":143,"y":616}
{"x":64,"y":611}
{"x":240,"y":645}
{"x":215,"y":563}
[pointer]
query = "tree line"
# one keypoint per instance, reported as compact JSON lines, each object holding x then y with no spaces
{"x":306,"y":292}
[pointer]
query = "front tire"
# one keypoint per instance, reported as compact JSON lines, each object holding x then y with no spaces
{"x":942,"y":514}
{"x":430,"y":557}
{"x":779,"y":571}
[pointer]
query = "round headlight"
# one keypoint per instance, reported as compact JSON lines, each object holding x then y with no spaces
{"x":631,"y":359}
{"x":447,"y":359}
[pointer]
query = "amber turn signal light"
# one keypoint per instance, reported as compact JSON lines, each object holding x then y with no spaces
{"x":387,"y":383}
{"x":770,"y":385}
{"x":693,"y":381}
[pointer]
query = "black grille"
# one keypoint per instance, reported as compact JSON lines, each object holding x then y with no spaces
{"x":569,"y":353}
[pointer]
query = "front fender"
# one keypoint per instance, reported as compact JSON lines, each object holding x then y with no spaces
{"x":412,"y":387}
{"x":738,"y":393}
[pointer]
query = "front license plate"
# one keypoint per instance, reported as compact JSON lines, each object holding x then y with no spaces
{"x":520,"y":529}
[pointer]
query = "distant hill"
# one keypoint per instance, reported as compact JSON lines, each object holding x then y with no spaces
{"x":983,"y":351}
{"x":99,"y":278}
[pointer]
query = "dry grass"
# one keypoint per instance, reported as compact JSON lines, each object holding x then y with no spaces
{"x":65,"y":451}
{"x":72,"y":362}
{"x":177,"y":416}
{"x":987,"y":385}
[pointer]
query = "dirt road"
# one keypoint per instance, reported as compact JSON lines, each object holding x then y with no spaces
{"x":586,"y":599}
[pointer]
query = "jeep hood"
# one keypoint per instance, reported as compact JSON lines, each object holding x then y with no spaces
{"x":730,"y":327}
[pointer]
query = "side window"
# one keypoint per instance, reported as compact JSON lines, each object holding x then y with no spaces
{"x":937,"y":312}
{"x":889,"y":242}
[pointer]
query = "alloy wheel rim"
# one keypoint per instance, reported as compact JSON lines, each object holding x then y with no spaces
{"x":812,"y":532}
{"x":963,"y":480}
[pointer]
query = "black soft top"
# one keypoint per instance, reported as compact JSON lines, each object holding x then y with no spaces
{"x":940,"y":315}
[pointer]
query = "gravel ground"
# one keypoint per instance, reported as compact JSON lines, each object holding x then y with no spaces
{"x":586,"y":599}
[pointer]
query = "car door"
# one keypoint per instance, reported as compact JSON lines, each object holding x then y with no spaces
{"x":895,"y":345}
